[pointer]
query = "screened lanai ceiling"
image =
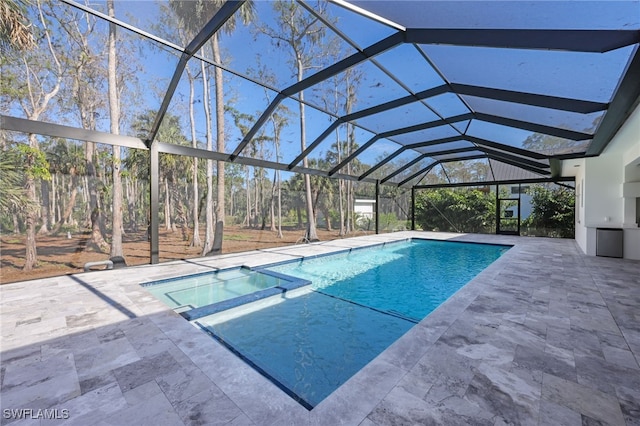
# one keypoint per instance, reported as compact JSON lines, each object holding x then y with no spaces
{"x":391,"y":91}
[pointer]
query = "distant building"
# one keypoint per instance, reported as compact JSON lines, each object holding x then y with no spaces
{"x":364,"y":209}
{"x":525,"y":201}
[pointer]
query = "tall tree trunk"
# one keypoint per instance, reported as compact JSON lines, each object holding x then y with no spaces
{"x":182,"y":219}
{"x":299,"y":213}
{"x":279,"y":205}
{"x":311,"y":233}
{"x":45,"y":212}
{"x":206,"y":99}
{"x":340,"y":187}
{"x":16,"y":224}
{"x":114,"y":113}
{"x":195,"y":242}
{"x":248,"y":179}
{"x":272,"y":206}
{"x":220,"y":213}
{"x":327,"y":217}
{"x":55,"y":208}
{"x":256,"y":196}
{"x":276,"y":135}
{"x":232,"y":201}
{"x":259,"y":198}
{"x":349,"y":226}
{"x":131,"y":206}
{"x":31,"y":255}
{"x":97,"y":239}
{"x":350,"y":187}
{"x":167,"y":206}
{"x":70,"y":205}
{"x":343,"y":229}
{"x":85,"y":192}
{"x":86,"y":109}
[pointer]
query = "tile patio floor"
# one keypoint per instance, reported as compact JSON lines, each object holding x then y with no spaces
{"x":544,"y":336}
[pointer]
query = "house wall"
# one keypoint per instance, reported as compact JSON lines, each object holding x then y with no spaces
{"x":610,"y":183}
{"x":364,"y":208}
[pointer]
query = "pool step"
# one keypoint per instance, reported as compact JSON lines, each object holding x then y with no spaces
{"x":224,"y":305}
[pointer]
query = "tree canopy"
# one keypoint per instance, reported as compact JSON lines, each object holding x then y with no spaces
{"x":553,"y":212}
{"x":455,"y":210}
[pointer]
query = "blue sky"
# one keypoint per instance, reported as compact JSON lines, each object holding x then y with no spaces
{"x":246,"y":51}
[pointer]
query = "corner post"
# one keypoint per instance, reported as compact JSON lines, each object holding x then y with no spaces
{"x":497,"y":209}
{"x":154,"y":190}
{"x":377,"y":206}
{"x":413,"y":208}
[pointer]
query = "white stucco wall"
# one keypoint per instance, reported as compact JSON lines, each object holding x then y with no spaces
{"x":364,"y":208}
{"x":602,"y":180}
{"x":603,"y":191}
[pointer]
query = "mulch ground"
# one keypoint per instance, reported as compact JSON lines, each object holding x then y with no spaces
{"x":60,"y":255}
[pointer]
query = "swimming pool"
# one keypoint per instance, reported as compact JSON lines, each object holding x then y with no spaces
{"x":311,"y":340}
{"x":408,"y":278}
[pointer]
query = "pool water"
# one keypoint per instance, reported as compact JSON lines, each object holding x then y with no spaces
{"x":204,"y":289}
{"x":308,"y":345}
{"x":407,"y":278}
{"x":311,"y":340}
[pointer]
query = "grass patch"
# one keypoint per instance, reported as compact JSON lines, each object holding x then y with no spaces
{"x":237,"y":237}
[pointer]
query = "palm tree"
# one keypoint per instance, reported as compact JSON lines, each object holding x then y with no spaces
{"x":12,"y":180}
{"x":323,"y":191}
{"x":66,"y":159}
{"x":295,"y":195}
{"x":172,"y":167}
{"x":136,"y":165}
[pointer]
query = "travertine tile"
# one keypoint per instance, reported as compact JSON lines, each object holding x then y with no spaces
{"x":536,"y":359}
{"x":621,"y":357}
{"x":134,"y":374}
{"x":552,"y":414}
{"x":520,"y":344}
{"x":400,"y":407}
{"x":92,"y":406}
{"x":209,"y":407}
{"x":505,"y":395}
{"x":141,"y":393}
{"x":582,"y":399}
{"x":151,"y":412}
{"x":181,"y":384}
